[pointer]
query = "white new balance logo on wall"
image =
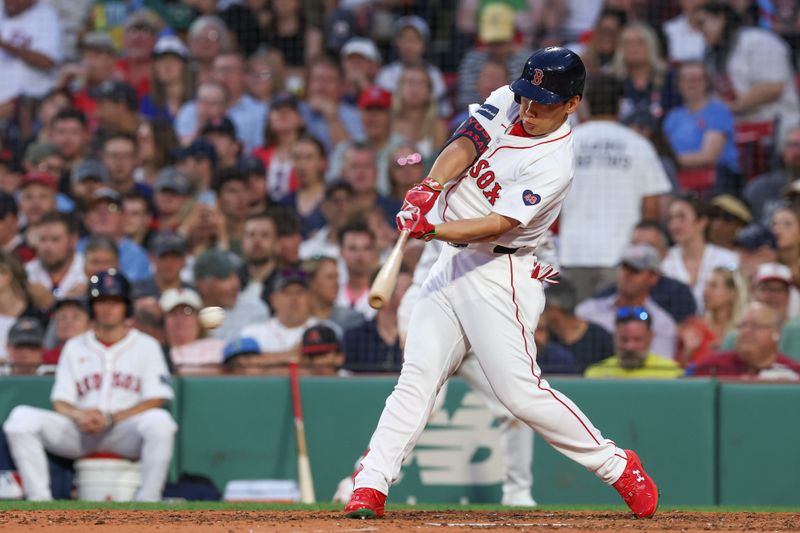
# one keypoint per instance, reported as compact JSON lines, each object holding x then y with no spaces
{"x":446,"y":451}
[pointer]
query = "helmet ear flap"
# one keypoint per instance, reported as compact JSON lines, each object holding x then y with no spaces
{"x":517,"y":98}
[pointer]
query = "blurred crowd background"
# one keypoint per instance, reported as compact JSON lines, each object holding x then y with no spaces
{"x":252,"y":154}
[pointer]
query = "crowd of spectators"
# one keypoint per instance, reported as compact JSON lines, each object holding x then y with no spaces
{"x":251,"y":155}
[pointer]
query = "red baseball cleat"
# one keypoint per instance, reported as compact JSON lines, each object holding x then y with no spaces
{"x":365,"y":503}
{"x":637,"y":488}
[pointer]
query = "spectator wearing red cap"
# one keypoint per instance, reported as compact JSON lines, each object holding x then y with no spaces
{"x":37,"y":197}
{"x":321,"y":352}
{"x":375,"y":105}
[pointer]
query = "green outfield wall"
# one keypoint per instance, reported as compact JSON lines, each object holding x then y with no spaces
{"x":705,"y":442}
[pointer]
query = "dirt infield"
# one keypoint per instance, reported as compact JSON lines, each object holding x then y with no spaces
{"x":113,"y":521}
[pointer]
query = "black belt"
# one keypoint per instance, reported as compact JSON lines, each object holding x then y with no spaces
{"x":503,"y":250}
{"x":497,"y":249}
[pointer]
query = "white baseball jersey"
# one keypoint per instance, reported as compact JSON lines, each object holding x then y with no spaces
{"x":522,"y":177}
{"x":91,"y":375}
{"x":487,"y":302}
{"x":111,"y":378}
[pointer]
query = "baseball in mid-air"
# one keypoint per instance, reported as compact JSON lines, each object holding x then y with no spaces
{"x":211,"y":317}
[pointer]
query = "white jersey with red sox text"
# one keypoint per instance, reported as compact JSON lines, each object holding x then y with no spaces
{"x":91,"y":375}
{"x":522,"y":177}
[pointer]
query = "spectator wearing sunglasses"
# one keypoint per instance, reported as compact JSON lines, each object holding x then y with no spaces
{"x":586,"y":341}
{"x":637,"y":274}
{"x":375,"y":108}
{"x":633,"y":336}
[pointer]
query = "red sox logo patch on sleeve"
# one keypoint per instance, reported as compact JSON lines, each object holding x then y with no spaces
{"x":530,"y":198}
{"x":538,"y":74}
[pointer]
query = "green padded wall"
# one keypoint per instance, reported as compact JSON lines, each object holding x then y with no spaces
{"x":670,"y":424}
{"x":705,"y":442}
{"x":241,"y":428}
{"x":24,"y":390}
{"x":759,"y":434}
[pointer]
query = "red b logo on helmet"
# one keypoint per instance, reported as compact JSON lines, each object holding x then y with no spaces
{"x":537,"y":76}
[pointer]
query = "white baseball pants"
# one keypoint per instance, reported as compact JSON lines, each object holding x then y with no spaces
{"x":31,"y":431}
{"x":476,"y":299}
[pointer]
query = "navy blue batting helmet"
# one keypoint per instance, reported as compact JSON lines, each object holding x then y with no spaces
{"x":551,"y":75}
{"x":109,"y":283}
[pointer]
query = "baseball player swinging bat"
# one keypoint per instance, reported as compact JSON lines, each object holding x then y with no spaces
{"x":383,"y":286}
{"x":305,"y":480}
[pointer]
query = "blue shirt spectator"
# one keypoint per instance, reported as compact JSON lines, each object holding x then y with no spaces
{"x":133,"y":260}
{"x":686,"y":130}
{"x":317,"y":124}
{"x":248,"y":114}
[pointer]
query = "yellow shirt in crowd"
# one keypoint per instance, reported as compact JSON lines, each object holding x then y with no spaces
{"x":654,"y":366}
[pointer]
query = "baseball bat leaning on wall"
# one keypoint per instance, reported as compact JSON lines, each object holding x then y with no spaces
{"x":386,"y":280}
{"x":304,"y":478}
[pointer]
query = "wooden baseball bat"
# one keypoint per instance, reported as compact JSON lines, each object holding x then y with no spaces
{"x":304,"y":478}
{"x":384,"y":284}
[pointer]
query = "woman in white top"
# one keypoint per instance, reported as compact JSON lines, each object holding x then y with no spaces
{"x":692,"y":259}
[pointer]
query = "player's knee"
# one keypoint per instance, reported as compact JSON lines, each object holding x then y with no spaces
{"x":157,"y":422}
{"x":22,"y":419}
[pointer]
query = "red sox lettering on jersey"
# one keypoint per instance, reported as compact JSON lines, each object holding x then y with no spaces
{"x":119,"y":380}
{"x":518,"y":176}
{"x":486,"y":180}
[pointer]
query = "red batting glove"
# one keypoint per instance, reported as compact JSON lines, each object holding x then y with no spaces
{"x":416,"y":224}
{"x":423,"y":195}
